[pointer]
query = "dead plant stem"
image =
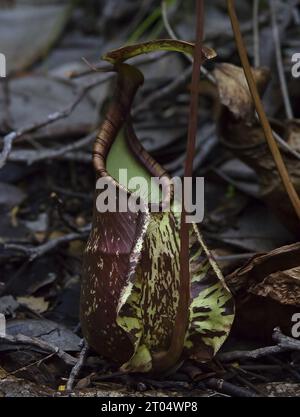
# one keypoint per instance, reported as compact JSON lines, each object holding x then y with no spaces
{"x":166,"y":360}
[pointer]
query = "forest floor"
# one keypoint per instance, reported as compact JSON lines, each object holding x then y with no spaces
{"x":51,"y":105}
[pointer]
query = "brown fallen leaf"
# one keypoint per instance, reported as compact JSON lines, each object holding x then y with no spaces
{"x":282,"y":286}
{"x":242,"y":134}
{"x":267,"y":293}
{"x":233,"y":89}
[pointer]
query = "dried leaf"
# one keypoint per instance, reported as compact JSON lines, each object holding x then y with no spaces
{"x":267,"y":291}
{"x":243,"y":135}
{"x":261,"y":266}
{"x":234,"y":91}
{"x":281,"y":286}
{"x":35,"y":29}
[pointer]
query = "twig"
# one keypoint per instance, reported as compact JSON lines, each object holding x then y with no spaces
{"x":11,"y":137}
{"x":261,"y":112}
{"x":181,"y":320}
{"x":287,"y":367}
{"x":228,"y":388}
{"x":93,"y":68}
{"x":188,"y":172}
{"x":165,"y":360}
{"x":279,"y":62}
{"x":241,"y":378}
{"x":244,"y":370}
{"x":32,"y":156}
{"x":78,"y":366}
{"x":285,"y":342}
{"x":38,"y":251}
{"x":38,"y":344}
{"x":173,"y":35}
{"x":252,"y":354}
{"x":256,"y":33}
{"x":163,"y":92}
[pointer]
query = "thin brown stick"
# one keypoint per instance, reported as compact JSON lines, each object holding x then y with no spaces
{"x":261,"y":112}
{"x":78,"y":366}
{"x":172,"y":34}
{"x":182,"y":315}
{"x":168,"y":359}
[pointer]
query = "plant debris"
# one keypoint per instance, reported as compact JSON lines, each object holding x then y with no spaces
{"x":52,"y":103}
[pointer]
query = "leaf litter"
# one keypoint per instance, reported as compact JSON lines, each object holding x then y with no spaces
{"x":40,"y":290}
